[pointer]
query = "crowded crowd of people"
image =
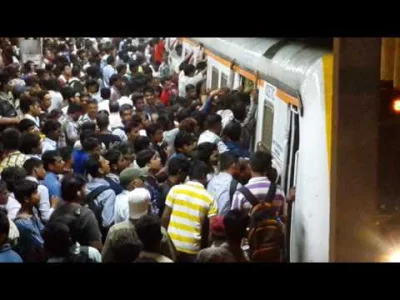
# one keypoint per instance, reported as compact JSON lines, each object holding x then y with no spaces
{"x":113,"y":150}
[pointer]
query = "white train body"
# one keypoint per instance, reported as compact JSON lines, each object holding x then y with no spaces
{"x":293,"y":122}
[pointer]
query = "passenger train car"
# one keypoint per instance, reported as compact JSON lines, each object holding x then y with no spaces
{"x":293,"y":122}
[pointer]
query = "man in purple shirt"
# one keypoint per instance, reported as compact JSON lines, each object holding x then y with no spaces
{"x":259,"y":184}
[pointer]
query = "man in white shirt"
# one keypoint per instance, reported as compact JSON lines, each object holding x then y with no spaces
{"x":30,"y":108}
{"x":212,"y":134}
{"x":132,"y":183}
{"x":223,"y":186}
{"x":108,"y":71}
{"x":189,"y":77}
{"x":36,"y":172}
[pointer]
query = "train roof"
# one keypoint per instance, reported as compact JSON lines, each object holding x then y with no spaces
{"x":280,"y":61}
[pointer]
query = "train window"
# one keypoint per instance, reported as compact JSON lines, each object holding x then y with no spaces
{"x":214,"y":78}
{"x":224,"y":80}
{"x":268,"y":121}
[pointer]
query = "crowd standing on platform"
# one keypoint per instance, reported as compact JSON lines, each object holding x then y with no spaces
{"x":113,"y":150}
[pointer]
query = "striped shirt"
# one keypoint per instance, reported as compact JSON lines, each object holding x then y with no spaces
{"x":190,"y":204}
{"x":13,"y":159}
{"x":259,"y":187}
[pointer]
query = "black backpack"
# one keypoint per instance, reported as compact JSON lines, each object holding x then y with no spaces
{"x":97,"y":208}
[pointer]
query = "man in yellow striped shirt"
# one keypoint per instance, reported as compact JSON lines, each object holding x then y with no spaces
{"x":186,"y":210}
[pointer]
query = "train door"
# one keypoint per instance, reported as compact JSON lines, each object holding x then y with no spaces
{"x":291,"y":168}
{"x":218,"y":75}
{"x":31,"y":49}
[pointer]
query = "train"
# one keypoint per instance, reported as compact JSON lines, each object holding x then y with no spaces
{"x":294,"y":122}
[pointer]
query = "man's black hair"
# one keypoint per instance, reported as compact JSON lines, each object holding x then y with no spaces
{"x":24,"y":189}
{"x":198,"y":170}
{"x":177,"y":166}
{"x":12,"y":175}
{"x":50,"y":126}
{"x":28,"y":142}
{"x":49,"y":158}
{"x":213,"y":120}
{"x":112,"y":156}
{"x":31,"y":164}
{"x":233,"y":131}
{"x":4,"y":224}
{"x":148,"y":229}
{"x":141,"y":143}
{"x":151,"y":129}
{"x":144,"y":157}
{"x":57,"y":239}
{"x":105,"y":93}
{"x":71,"y":184}
{"x":93,"y":166}
{"x":113,"y":106}
{"x":11,"y":139}
{"x":235,"y":223}
{"x":260,"y":162}
{"x":25,"y":124}
{"x":90,"y":143}
{"x":74,"y":108}
{"x":102,"y":121}
{"x":183,"y":139}
{"x":226,"y":159}
{"x":66,"y":153}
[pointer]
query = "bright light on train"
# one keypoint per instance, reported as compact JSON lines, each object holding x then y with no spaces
{"x":396,"y":106}
{"x":394,"y":257}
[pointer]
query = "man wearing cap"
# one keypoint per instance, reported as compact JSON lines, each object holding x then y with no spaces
{"x":139,"y":204}
{"x":130,"y":179}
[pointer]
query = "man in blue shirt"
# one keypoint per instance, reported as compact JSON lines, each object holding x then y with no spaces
{"x":220,"y":186}
{"x":7,"y":255}
{"x":98,"y":167}
{"x":54,"y":165}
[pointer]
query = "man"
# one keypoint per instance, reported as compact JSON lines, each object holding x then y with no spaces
{"x":117,"y":165}
{"x":178,"y":170}
{"x":52,"y":131}
{"x":189,"y":77}
{"x":212,"y":134}
{"x":235,"y":223}
{"x":108,"y":71}
{"x":54,"y":166}
{"x":148,"y":229}
{"x":80,"y":219}
{"x":150,"y":159}
{"x":223,"y":185}
{"x":131,"y":179}
{"x":69,"y":125}
{"x":11,"y":139}
{"x":138,"y":207}
{"x":188,"y":230}
{"x":150,"y":108}
{"x":91,"y":112}
{"x":36,"y":173}
{"x":116,"y":84}
{"x":259,"y":184}
{"x":155,"y":133}
{"x":30,"y":108}
{"x":7,"y":255}
{"x":104,"y":135}
{"x":139,"y":104}
{"x":13,"y":233}
{"x":99,"y":192}
{"x":90,"y":145}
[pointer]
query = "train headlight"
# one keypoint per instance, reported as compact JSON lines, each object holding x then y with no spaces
{"x":396,"y":106}
{"x":394,"y":256}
